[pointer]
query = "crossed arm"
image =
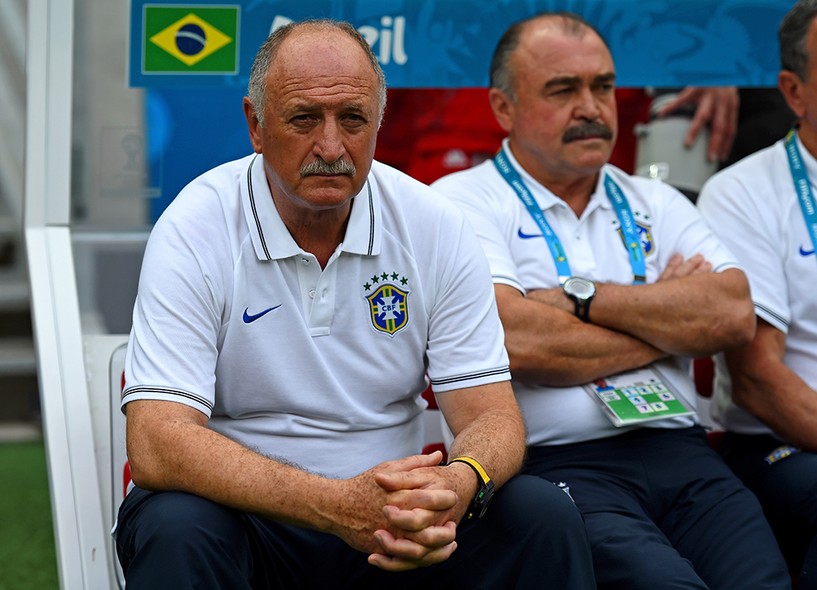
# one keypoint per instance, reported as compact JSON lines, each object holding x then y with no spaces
{"x":763,"y":385}
{"x":689,"y":311}
{"x":402,"y":513}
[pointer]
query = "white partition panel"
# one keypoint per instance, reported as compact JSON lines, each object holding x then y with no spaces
{"x":83,"y":557}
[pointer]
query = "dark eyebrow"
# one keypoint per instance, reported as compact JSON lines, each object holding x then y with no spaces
{"x":604,"y":78}
{"x":574,"y":80}
{"x":562,"y":81}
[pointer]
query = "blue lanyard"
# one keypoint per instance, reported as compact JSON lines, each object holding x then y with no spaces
{"x":802,"y":186}
{"x":629,"y":229}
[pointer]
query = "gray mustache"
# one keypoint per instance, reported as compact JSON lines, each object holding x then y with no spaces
{"x":592,"y":129}
{"x":339,"y":166}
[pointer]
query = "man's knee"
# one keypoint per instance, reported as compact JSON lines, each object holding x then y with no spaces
{"x":542,"y":536}
{"x":178,"y":528}
{"x":644,"y":570}
{"x":181,"y":515}
{"x":636,"y":559}
{"x":529,"y":502}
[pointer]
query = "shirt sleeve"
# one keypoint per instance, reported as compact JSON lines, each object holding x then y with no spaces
{"x":492,"y":217}
{"x":727,"y":204}
{"x":466,"y":341}
{"x":172,"y":351}
{"x":683,"y":230}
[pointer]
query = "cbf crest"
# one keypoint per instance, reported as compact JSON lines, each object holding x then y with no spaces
{"x":388,"y":302}
{"x":644,"y":233}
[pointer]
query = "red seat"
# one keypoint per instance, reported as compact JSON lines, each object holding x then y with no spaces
{"x":433,"y":445}
{"x":126,"y":467}
{"x":703,"y":373}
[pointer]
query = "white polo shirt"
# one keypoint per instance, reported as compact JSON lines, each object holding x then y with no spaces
{"x":323,"y":368}
{"x":518,"y":255}
{"x":753,"y":207}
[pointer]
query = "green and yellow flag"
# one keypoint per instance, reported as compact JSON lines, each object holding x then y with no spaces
{"x":192,"y":39}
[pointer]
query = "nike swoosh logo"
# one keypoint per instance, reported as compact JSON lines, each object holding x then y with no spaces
{"x":804,"y":252}
{"x":525,"y":236}
{"x":248,"y":318}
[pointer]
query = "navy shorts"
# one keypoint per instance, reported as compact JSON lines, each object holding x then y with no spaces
{"x":532,"y":536}
{"x":784,"y":479}
{"x":663,"y":510}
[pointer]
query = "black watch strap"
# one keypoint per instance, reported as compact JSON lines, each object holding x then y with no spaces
{"x":582,"y":309}
{"x":485,"y":492}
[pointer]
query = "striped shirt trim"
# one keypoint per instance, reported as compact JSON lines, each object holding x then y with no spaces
{"x":254,"y":209}
{"x":472,"y":376}
{"x":371,"y":218}
{"x":768,"y":312}
{"x":166,"y":391}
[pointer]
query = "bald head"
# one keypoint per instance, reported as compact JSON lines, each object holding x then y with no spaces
{"x":303,"y":39}
{"x":565,"y":23}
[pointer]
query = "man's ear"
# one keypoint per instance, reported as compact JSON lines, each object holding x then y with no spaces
{"x":253,"y":125}
{"x":503,"y":108}
{"x":791,"y":87}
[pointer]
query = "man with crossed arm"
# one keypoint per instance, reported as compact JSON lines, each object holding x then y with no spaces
{"x":605,"y":283}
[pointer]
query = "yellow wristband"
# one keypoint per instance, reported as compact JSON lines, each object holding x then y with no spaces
{"x":476,"y":467}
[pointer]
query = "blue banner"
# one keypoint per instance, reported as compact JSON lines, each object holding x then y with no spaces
{"x":448,"y":43}
{"x":194,"y":58}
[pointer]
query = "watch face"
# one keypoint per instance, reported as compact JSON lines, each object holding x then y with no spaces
{"x":581,"y":288}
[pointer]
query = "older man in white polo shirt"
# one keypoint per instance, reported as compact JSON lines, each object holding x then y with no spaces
{"x":290,"y":307}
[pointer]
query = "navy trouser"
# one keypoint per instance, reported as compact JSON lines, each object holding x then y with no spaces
{"x":532,"y":536}
{"x":786,"y":485}
{"x":664,"y":511}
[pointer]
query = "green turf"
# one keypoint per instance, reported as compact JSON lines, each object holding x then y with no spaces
{"x":27,"y":557}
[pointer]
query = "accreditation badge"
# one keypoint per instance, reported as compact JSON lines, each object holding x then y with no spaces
{"x":637,"y":396}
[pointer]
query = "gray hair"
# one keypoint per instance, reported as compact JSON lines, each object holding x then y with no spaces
{"x":257,"y":85}
{"x":501,"y":72}
{"x":793,"y":37}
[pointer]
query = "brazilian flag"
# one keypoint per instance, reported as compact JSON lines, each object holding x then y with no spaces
{"x":190,"y":39}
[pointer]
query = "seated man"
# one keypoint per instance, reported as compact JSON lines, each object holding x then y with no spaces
{"x":605,"y":283}
{"x":765,"y":393}
{"x":286,"y":318}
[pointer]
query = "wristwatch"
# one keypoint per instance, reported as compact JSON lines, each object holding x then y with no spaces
{"x":581,"y":291}
{"x":479,"y":505}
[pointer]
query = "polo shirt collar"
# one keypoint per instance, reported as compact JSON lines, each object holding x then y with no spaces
{"x":599,"y":197}
{"x":270,"y":237}
{"x":545,"y":197}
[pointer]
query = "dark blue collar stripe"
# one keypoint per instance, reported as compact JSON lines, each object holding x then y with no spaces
{"x":255,"y":211}
{"x":371,"y":218}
